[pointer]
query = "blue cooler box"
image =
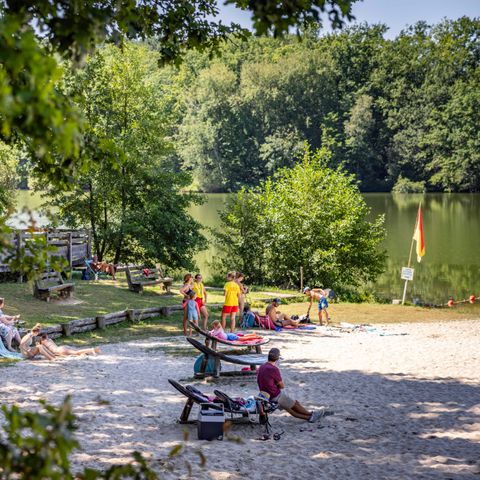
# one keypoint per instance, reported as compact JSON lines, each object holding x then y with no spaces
{"x":211,"y":420}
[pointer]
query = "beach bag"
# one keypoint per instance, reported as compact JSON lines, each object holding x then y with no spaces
{"x":248,"y":320}
{"x":198,"y":363}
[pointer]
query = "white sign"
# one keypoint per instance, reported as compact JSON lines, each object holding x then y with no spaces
{"x":407,"y":273}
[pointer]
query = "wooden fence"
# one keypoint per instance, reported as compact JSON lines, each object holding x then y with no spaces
{"x":102,"y":321}
{"x":73,"y":245}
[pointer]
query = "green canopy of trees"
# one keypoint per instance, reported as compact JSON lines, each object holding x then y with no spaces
{"x":404,"y":110}
{"x":309,"y":216}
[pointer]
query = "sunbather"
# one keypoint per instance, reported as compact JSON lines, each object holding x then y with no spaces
{"x":278,"y":318}
{"x":64,"y":350}
{"x":271,"y":386}
{"x":28,"y":351}
{"x":8,"y":331}
{"x":100,"y":266}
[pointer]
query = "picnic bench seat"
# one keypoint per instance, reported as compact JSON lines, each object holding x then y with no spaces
{"x":51,"y":282}
{"x":139,"y":277}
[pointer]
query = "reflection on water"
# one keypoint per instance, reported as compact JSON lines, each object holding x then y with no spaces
{"x":451,"y":266}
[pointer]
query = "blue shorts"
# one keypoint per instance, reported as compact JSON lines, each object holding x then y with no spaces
{"x":322,"y":303}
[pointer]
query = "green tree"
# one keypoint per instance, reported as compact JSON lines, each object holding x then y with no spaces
{"x":310,"y":216}
{"x":9,"y":158}
{"x":132,"y":204}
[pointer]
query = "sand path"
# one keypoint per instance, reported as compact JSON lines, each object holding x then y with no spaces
{"x":406,"y":406}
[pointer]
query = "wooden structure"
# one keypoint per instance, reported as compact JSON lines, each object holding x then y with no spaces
{"x":139,"y":277}
{"x":211,"y":341}
{"x":73,"y":245}
{"x":249,"y":359}
{"x":51,"y":282}
{"x":239,"y":413}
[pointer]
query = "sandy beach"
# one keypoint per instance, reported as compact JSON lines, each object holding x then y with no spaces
{"x":406,"y":406}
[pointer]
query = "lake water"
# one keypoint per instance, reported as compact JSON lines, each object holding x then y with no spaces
{"x":450,"y":267}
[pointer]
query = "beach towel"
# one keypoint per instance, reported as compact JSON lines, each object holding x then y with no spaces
{"x":4,"y":353}
{"x":300,"y":327}
{"x":265,"y":322}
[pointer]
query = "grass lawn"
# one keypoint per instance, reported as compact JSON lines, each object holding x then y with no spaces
{"x":105,"y":296}
{"x":385,"y":313}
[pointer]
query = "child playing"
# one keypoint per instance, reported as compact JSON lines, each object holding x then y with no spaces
{"x":218,"y":332}
{"x":193,"y":312}
{"x":232,"y":294}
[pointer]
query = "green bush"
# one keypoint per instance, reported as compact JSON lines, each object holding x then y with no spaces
{"x":404,"y":185}
{"x":309,"y":216}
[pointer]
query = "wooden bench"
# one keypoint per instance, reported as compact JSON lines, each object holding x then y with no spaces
{"x":137,"y":279}
{"x":51,"y":282}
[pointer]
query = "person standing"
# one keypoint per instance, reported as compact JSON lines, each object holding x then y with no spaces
{"x":201,"y":298}
{"x":185,"y":290}
{"x":239,"y":278}
{"x":232,"y":294}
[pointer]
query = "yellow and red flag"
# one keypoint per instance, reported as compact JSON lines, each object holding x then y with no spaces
{"x":418,"y":235}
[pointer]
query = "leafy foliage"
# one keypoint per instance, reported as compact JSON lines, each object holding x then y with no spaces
{"x":386,"y":109}
{"x":310,"y":216}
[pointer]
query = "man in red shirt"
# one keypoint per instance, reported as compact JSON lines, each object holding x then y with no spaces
{"x":271,"y":385}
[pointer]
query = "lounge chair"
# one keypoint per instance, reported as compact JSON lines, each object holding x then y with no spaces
{"x":212,"y":341}
{"x":249,"y":359}
{"x":239,"y":409}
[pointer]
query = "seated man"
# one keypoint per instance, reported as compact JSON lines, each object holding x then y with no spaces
{"x":271,"y":385}
{"x":278,"y":318}
{"x":100,"y":266}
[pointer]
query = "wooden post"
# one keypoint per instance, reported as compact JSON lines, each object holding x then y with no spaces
{"x":66,"y":329}
{"x":130,"y":315}
{"x":301,"y":279}
{"x":101,"y":325}
{"x":70,"y":250}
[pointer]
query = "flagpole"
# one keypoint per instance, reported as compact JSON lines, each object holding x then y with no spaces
{"x":410,"y":255}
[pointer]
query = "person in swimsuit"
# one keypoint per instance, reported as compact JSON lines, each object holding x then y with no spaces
{"x":201,"y":298}
{"x":185,"y":290}
{"x":30,"y":352}
{"x":239,"y":278}
{"x":319,"y":295}
{"x":8,"y":331}
{"x":64,"y":350}
{"x":278,"y":318}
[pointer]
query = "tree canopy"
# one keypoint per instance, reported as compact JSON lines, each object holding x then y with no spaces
{"x":309,"y":216}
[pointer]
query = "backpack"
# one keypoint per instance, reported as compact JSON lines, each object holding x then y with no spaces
{"x":248,"y":320}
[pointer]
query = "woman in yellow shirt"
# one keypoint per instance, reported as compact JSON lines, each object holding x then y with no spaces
{"x":230,"y":307}
{"x":201,"y":298}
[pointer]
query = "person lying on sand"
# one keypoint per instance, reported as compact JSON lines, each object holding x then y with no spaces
{"x":271,"y":386}
{"x":63,"y":350}
{"x":278,"y":318}
{"x":30,"y":352}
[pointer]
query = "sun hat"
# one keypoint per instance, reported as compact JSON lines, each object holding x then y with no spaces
{"x":276,"y":300}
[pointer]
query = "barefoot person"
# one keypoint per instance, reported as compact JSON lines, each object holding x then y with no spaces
{"x":64,"y":350}
{"x":201,"y":298}
{"x":232,"y":294}
{"x":278,"y":318}
{"x":30,"y":352}
{"x":8,"y":331}
{"x":271,"y":386}
{"x":239,"y":278}
{"x":185,"y":290}
{"x":320,"y":296}
{"x":100,"y":266}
